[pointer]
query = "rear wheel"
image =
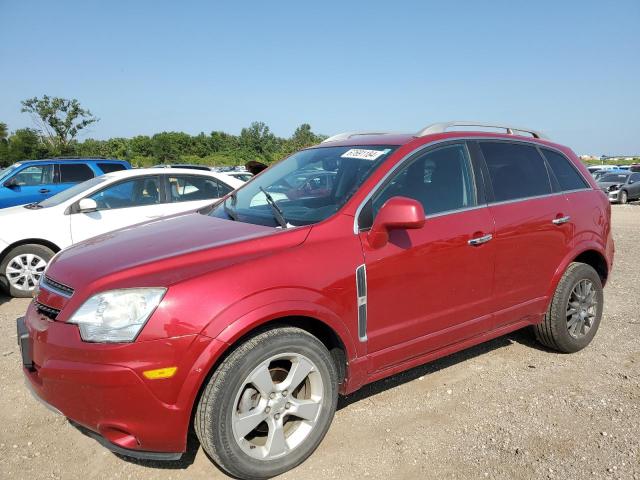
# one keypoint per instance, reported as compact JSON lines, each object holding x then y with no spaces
{"x":22,"y":268}
{"x":575,"y":311}
{"x":269,"y":404}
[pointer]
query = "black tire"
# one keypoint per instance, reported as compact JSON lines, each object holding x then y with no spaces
{"x":214,"y":413}
{"x":45,"y":253}
{"x":624,"y":196}
{"x":553,"y":332}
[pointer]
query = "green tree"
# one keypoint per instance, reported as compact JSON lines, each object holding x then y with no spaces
{"x":25,"y":143}
{"x":257,"y":141}
{"x":59,"y":120}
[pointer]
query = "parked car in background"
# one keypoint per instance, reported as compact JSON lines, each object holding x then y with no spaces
{"x":246,"y":318}
{"x":620,"y":186}
{"x":32,"y":234}
{"x":31,"y":181}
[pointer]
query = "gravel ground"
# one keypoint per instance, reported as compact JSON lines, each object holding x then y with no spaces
{"x":506,"y":409}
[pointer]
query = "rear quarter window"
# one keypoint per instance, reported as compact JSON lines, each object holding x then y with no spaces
{"x":566,"y":174}
{"x":111,"y":167}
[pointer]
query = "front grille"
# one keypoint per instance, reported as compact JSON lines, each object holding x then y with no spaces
{"x":49,"y":312}
{"x":57,"y":287}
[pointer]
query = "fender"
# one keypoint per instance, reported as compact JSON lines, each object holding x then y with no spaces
{"x":575,"y":252}
{"x":262,"y":307}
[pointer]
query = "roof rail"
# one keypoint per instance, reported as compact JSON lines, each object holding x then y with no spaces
{"x":348,"y":135}
{"x":80,"y":157}
{"x":444,"y":126}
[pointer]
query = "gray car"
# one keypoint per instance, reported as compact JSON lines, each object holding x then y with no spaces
{"x":621,"y":186}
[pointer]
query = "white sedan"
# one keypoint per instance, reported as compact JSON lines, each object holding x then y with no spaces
{"x":31,"y":234}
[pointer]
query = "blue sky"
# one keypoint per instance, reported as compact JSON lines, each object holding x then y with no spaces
{"x":569,"y":68}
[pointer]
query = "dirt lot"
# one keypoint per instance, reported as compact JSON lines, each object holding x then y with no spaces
{"x":507,"y":409}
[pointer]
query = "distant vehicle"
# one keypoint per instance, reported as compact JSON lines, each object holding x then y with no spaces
{"x":634,"y":167}
{"x":31,"y":234}
{"x":621,"y":186}
{"x":29,"y":181}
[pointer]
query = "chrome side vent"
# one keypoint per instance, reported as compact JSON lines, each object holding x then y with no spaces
{"x":361,"y":287}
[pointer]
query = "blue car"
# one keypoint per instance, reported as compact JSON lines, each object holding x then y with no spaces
{"x":30,"y":181}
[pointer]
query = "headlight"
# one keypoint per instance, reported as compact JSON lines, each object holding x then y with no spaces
{"x":614,"y":187}
{"x":116,"y":315}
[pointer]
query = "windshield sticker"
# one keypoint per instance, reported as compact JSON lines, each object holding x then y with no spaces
{"x":362,"y":154}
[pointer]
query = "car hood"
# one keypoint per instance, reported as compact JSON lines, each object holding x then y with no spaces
{"x":605,"y":185}
{"x":166,"y":251}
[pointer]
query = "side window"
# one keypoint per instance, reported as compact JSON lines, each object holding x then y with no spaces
{"x":74,"y":172}
{"x":441,"y":180}
{"x":136,"y":192}
{"x":568,"y":177}
{"x":190,"y":188}
{"x":635,"y":177}
{"x":35,"y":175}
{"x":111,"y":167}
{"x":516,"y":170}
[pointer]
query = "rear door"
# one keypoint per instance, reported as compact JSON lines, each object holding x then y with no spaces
{"x":121,"y":204}
{"x":533,"y":228}
{"x":69,"y":174}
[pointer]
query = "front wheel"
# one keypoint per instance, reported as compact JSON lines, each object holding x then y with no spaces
{"x":269,"y":404}
{"x":623,"y":197}
{"x":575,"y":311}
{"x":23,"y":267}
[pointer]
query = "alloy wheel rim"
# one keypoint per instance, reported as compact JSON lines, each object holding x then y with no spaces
{"x":581,"y":308}
{"x":24,"y":271}
{"x":277,"y":406}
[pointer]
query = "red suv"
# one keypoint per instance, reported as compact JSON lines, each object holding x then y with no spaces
{"x":246,"y":319}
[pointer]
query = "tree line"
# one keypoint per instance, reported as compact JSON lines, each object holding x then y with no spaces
{"x":58,"y":122}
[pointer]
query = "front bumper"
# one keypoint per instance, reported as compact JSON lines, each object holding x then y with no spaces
{"x":100,"y":387}
{"x":614,"y":196}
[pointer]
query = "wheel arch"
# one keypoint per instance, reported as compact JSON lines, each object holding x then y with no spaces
{"x":589,"y":253}
{"x":337,"y":346}
{"x":29,"y":241}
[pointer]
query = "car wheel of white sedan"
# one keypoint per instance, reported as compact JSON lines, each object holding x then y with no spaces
{"x":23,"y":267}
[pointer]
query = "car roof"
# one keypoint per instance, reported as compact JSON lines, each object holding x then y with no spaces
{"x":137,"y":172}
{"x":438,"y":131}
{"x":73,"y":159}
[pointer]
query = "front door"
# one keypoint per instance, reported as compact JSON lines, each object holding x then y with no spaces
{"x":119,"y":205}
{"x":430,"y":287}
{"x":33,"y":183}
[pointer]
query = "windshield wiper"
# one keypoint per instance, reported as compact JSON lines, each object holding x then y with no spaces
{"x":277,"y":212}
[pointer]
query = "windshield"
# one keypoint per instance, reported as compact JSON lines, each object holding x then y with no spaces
{"x":70,"y":192}
{"x":5,"y":172}
{"x":305,"y":188}
{"x":614,"y":177}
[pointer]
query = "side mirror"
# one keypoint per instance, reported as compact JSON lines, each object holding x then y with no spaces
{"x":11,"y":183}
{"x":396,"y":213}
{"x":87,"y":205}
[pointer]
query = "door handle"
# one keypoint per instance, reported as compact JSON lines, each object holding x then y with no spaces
{"x":44,"y":190}
{"x":561,"y":220}
{"x":480,"y":240}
